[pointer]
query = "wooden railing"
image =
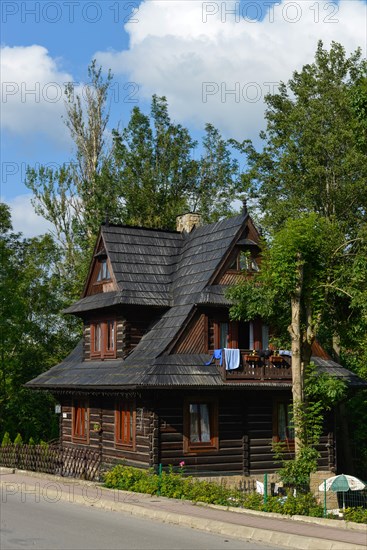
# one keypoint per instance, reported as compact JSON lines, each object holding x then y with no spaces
{"x":257,"y":367}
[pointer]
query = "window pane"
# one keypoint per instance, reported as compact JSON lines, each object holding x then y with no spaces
{"x":223,"y":335}
{"x":282,"y":422}
{"x":194,"y":423}
{"x":265,"y":336}
{"x":243,"y":336}
{"x":110,"y":336}
{"x":199,"y":423}
{"x":243,"y":261}
{"x":204,"y":423}
{"x":97,"y":337}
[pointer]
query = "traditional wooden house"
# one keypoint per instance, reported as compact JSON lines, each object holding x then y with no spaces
{"x":141,"y":386}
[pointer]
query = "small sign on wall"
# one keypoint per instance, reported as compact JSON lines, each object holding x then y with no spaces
{"x":64,"y":415}
{"x":57,"y":409}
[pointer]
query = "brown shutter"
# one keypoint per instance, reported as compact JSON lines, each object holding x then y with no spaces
{"x":233,"y":334}
{"x":257,"y":334}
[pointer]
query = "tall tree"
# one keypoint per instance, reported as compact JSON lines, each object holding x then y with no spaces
{"x":313,"y":158}
{"x":33,"y":336}
{"x":74,"y":198}
{"x":158,"y":176}
{"x":313,"y":162}
{"x":154,"y":169}
{"x":295,"y":284}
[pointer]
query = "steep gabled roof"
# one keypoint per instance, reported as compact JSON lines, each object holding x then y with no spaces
{"x":201,"y":256}
{"x":143,"y":260}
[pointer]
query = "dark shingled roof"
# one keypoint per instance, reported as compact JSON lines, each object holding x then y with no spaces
{"x":184,"y":370}
{"x":171,"y":270}
{"x":143,"y":261}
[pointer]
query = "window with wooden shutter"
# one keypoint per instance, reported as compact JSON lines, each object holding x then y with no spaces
{"x":80,"y":422}
{"x":103,"y":339}
{"x":125,"y":423}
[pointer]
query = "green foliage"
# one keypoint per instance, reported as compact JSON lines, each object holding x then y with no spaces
{"x":157,"y":176}
{"x":174,"y":485}
{"x":322,"y":392}
{"x":6,"y":440}
{"x":310,"y":241}
{"x":31,"y":441}
{"x":296,"y":472}
{"x":314,"y":153}
{"x":322,"y":389}
{"x":358,"y":515}
{"x":301,"y":504}
{"x":33,"y":335}
{"x":18,"y":440}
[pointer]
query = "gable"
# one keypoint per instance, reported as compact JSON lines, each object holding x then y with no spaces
{"x":243,"y":257}
{"x":101,"y":277}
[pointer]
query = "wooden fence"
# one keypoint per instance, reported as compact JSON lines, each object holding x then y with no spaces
{"x":52,"y":459}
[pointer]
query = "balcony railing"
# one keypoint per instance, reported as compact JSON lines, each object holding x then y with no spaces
{"x":257,"y":367}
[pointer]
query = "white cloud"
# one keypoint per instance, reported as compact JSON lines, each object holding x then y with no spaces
{"x":32,"y":92}
{"x":24,"y":218}
{"x":173,"y":52}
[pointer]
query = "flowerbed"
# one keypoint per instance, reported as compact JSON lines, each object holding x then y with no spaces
{"x":175,"y":485}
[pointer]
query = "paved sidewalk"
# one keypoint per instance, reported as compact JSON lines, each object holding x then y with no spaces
{"x":246,"y":525}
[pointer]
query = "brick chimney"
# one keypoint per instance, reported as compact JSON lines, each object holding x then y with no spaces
{"x":187,"y":222}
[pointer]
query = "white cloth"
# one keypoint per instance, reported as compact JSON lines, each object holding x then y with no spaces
{"x":232,"y":358}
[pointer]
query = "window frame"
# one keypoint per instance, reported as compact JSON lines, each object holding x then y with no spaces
{"x":103,"y":352}
{"x":81,"y":405}
{"x":289,"y":439}
{"x":193,"y":448}
{"x":244,"y":261}
{"x":122,"y":406}
{"x":232,"y":333}
{"x":103,"y":270}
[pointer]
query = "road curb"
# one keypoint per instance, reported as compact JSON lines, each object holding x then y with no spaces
{"x":227,"y":529}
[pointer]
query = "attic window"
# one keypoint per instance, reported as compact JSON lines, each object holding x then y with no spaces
{"x":244,"y":261}
{"x":104,"y":272}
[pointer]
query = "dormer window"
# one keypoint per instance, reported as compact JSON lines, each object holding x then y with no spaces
{"x":103,"y":339}
{"x":104,"y":272}
{"x":244,"y":261}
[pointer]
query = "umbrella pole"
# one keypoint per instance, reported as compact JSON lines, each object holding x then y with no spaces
{"x":343,"y":501}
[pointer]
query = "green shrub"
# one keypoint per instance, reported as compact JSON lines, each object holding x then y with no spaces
{"x":6,"y":440}
{"x":359,"y":514}
{"x":18,"y":440}
{"x":175,"y":485}
{"x":31,"y":441}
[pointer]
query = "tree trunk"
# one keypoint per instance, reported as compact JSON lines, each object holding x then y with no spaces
{"x":295,"y":332}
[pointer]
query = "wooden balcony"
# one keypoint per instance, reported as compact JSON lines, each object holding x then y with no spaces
{"x":255,"y":367}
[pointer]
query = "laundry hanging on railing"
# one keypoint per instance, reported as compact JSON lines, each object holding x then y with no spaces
{"x":232,"y":358}
{"x":217,"y":354}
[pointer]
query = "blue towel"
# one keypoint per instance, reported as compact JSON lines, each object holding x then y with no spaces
{"x":232,"y":357}
{"x":216,"y":355}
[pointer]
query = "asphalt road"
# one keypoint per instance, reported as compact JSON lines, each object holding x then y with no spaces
{"x":69,"y":526}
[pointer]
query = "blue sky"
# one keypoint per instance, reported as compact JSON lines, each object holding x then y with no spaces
{"x":213,"y":60}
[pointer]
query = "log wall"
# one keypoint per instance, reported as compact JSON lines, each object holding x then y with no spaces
{"x":229,"y":459}
{"x":245,"y":432}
